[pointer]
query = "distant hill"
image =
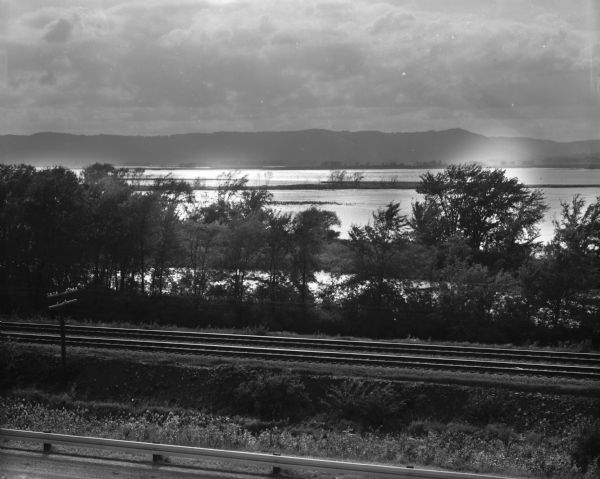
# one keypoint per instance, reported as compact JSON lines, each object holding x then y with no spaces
{"x":301,"y":149}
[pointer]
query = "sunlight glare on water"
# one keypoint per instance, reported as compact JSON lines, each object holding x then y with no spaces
{"x":275,"y":176}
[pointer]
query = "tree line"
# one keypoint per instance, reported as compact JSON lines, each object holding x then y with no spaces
{"x":465,"y":265}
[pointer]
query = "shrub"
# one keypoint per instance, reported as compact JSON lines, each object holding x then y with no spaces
{"x":459,"y":428}
{"x":271,"y":396}
{"x":371,"y":404}
{"x":501,"y":432}
{"x":222,"y":380}
{"x":486,"y":409}
{"x":585,"y":452}
{"x":422,"y":428}
{"x":7,"y":362}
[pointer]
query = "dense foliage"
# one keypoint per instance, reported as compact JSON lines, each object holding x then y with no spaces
{"x":465,"y":266}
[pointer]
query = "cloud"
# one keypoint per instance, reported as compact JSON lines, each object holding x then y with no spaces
{"x":166,"y":66}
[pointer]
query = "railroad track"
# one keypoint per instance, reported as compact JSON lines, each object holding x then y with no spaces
{"x":365,"y":353}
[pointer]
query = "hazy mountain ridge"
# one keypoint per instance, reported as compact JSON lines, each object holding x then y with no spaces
{"x":302,"y":149}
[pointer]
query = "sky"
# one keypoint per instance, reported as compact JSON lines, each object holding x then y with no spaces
{"x":148,"y":67}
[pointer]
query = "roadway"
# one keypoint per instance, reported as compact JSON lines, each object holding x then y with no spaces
{"x":19,"y":464}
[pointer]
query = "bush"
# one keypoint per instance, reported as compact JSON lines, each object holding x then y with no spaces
{"x":501,"y":432}
{"x":222,"y":380}
{"x":585,"y":452}
{"x":239,"y":390}
{"x":423,"y":428}
{"x":272,"y":396}
{"x":371,"y":404}
{"x":486,"y":409}
{"x":7,"y":362}
{"x":461,"y":429}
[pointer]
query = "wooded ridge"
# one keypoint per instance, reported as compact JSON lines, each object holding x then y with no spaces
{"x":300,"y":149}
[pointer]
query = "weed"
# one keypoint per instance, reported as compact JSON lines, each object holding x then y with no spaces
{"x":486,"y":408}
{"x":272,"y":396}
{"x":372,"y":404}
{"x":501,"y":432}
{"x":585,"y":452}
{"x":7,"y":361}
{"x":457,"y":446}
{"x":268,"y":394}
{"x":422,"y":428}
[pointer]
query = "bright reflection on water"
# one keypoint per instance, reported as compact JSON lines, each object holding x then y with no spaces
{"x":355,"y":206}
{"x":531,"y":176}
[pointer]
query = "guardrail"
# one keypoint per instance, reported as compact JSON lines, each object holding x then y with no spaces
{"x":159,"y":451}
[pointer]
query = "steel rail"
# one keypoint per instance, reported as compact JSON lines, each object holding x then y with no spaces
{"x":320,"y":343}
{"x":289,"y":354}
{"x":241,"y":457}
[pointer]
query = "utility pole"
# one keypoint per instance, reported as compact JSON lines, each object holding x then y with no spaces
{"x":53,"y":309}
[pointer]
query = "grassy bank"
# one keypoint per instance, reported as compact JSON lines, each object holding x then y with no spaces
{"x":40,"y":364}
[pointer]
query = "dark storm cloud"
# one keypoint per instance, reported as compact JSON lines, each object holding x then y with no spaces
{"x":159,"y":66}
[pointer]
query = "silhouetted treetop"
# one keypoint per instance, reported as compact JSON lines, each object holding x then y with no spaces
{"x":496,"y":215}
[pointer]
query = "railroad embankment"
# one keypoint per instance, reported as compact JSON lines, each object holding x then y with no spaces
{"x":275,"y":392}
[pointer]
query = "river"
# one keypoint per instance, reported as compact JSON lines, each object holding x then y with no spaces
{"x":355,"y":206}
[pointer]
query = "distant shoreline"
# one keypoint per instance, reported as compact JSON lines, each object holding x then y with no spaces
{"x":362,"y":185}
{"x":349,"y":168}
{"x":310,"y":149}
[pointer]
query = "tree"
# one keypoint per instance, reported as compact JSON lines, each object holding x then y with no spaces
{"x":559,"y":280}
{"x":377,"y":248}
{"x":276,"y":251}
{"x":497,"y":216}
{"x":228,"y":191}
{"x":173,"y":196}
{"x":338,"y":176}
{"x":201,"y":240}
{"x":577,"y":235}
{"x":357,"y":177}
{"x":143,"y":215}
{"x":311,"y":229}
{"x":15,"y":232}
{"x":107,"y":231}
{"x":97,"y":173}
{"x":242,"y":247}
{"x":235,"y":199}
{"x":52,"y":211}
{"x":242,"y":213}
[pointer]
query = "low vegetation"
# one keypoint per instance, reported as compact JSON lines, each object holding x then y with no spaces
{"x":454,"y":446}
{"x":505,"y":428}
{"x":543,"y":449}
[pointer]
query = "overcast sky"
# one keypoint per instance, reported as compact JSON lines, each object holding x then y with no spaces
{"x":497,"y":67}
